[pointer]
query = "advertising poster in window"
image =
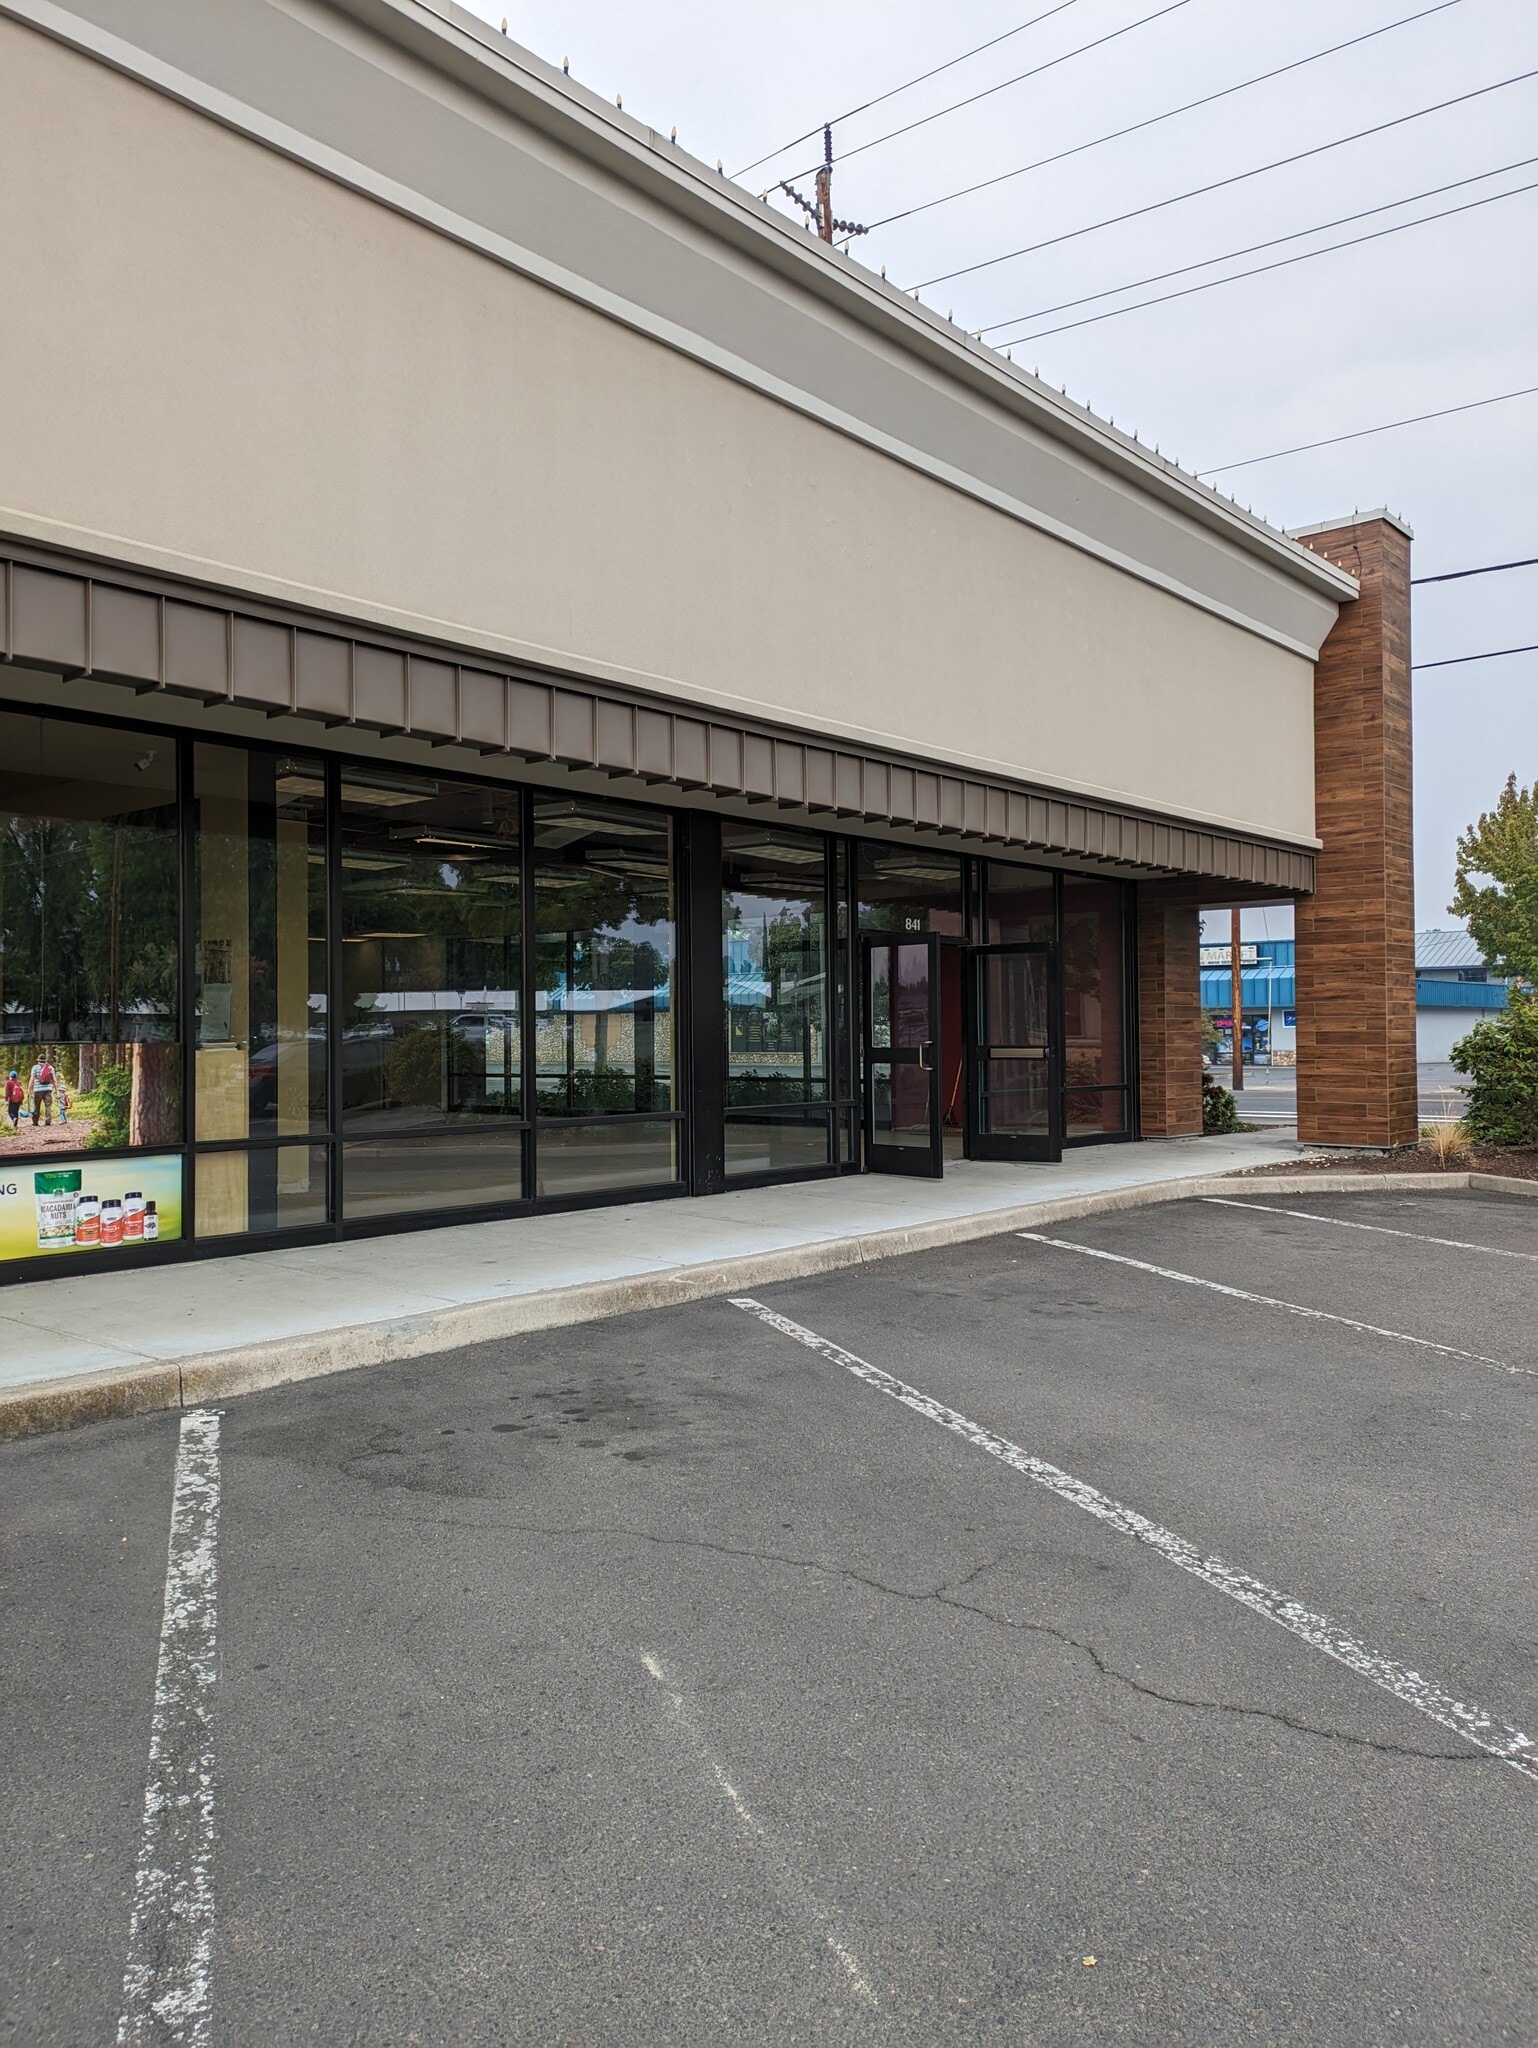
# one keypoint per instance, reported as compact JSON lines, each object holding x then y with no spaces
{"x":119,"y":1206}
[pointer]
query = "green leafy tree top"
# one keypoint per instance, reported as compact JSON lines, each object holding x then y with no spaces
{"x":1497,"y":886}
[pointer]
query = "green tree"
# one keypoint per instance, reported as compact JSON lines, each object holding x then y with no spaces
{"x":1496,"y":891}
{"x":1500,"y":1057}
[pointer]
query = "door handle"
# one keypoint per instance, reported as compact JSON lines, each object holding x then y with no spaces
{"x":926,"y":1050}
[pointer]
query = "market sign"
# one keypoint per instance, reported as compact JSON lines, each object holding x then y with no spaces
{"x":1220,"y":956}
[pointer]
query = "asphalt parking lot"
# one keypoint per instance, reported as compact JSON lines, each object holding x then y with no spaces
{"x":1014,"y":1644}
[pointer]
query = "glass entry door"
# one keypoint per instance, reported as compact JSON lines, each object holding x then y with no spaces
{"x":1016,"y":1084}
{"x":901,"y":981}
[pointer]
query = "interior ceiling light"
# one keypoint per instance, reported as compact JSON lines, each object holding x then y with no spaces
{"x":358,"y":938}
{"x":365,"y":788}
{"x":453,"y":836}
{"x":897,"y":869}
{"x":772,"y":849}
{"x":568,"y":813}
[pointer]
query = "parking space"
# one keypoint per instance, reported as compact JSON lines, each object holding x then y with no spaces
{"x":803,"y":1670}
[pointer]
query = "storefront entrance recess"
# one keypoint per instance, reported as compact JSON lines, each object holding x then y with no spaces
{"x":929,"y":1047}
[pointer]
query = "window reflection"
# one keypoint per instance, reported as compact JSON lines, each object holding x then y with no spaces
{"x":603,"y":906}
{"x":260,"y":954}
{"x":774,"y":937}
{"x":88,"y":935}
{"x":1021,"y":905}
{"x":432,"y":926}
{"x":1093,"y":1006}
{"x":259,"y":960}
{"x":909,"y":889}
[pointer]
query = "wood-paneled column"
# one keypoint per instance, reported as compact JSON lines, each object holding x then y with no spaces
{"x":1169,"y":1011}
{"x":1356,"y":933}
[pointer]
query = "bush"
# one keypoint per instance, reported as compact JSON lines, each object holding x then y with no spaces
{"x":1219,"y":1110}
{"x":1500,"y":1058}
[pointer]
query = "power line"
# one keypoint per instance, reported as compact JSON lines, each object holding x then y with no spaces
{"x":1252,"y":248}
{"x":865,"y":105}
{"x":1259,"y":269}
{"x":1153,"y":120}
{"x":1035,"y":72}
{"x":1387,"y":428}
{"x":1488,"y":568}
{"x":1219,"y":184}
{"x":1493,"y":654}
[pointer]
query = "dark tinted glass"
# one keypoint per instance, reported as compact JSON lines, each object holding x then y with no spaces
{"x":776,"y":1144}
{"x":419,"y":1178}
{"x":602,"y":1154}
{"x":1094,"y":1112}
{"x":279,"y":1187}
{"x":603,"y":905}
{"x":432,"y":926}
{"x":909,"y":889}
{"x":774,"y":939}
{"x":89,"y":921}
{"x":1092,"y":982}
{"x":260,"y":952}
{"x":1020,"y":907}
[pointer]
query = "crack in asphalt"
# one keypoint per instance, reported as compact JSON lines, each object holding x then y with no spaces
{"x":943,"y":1596}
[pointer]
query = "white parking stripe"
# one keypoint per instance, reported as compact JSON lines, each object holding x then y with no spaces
{"x":1293,"y":1308}
{"x":167,"y":1985}
{"x":789,"y":1879}
{"x":1456,"y":1244}
{"x":1473,"y":1724}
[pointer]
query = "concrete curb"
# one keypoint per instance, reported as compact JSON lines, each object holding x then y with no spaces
{"x":40,"y":1406}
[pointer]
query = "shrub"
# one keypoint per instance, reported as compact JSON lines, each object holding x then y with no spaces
{"x":413,"y":1069}
{"x":1500,"y":1057}
{"x":1219,"y":1110}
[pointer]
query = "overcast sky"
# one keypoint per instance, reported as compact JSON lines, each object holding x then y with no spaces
{"x":1432,"y":317}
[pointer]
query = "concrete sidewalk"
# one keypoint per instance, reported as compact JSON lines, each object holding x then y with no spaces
{"x":83,"y":1346}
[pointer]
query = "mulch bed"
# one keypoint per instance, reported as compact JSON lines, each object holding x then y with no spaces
{"x":1516,"y":1162}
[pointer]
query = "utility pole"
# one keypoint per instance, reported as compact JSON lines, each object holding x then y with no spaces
{"x":825,"y":187}
{"x":820,"y":210}
{"x":1238,"y":1005}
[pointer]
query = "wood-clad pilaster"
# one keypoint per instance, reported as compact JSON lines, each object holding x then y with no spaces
{"x":1356,"y":932}
{"x":1169,"y":1011}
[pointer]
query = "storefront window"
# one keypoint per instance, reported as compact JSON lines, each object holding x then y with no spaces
{"x":775,"y":966}
{"x":260,"y":989}
{"x":1021,"y":905}
{"x":603,"y":990}
{"x":775,"y":960}
{"x":89,"y":948}
{"x":908,"y":889}
{"x":1093,"y":1003}
{"x":432,"y":952}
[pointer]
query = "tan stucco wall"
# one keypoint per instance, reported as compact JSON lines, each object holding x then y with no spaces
{"x":216,"y":360}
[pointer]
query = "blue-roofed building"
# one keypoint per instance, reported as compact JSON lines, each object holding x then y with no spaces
{"x":1454,"y":991}
{"x":1268,"y":979}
